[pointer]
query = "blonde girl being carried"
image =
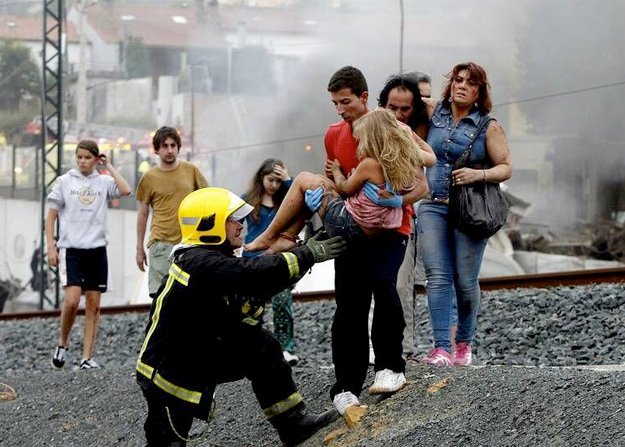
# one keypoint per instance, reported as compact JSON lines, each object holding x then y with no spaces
{"x":389,"y":156}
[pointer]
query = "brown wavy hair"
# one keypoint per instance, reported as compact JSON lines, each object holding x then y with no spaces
{"x":254,"y":194}
{"x":478,"y":75}
{"x":162,"y":133}
{"x":381,"y":137}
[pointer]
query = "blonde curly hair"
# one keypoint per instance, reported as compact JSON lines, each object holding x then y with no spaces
{"x":381,"y":137}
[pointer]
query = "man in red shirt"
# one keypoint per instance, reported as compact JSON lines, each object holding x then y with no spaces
{"x":365,"y":269}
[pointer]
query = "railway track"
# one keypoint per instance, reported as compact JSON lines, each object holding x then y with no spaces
{"x":544,"y":280}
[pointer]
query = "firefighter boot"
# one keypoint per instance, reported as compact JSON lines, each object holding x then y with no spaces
{"x":295,"y":426}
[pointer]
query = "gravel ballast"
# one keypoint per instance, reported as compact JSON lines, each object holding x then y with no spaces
{"x":514,"y":396}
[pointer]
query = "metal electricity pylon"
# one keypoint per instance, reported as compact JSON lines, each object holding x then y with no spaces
{"x":51,"y":130}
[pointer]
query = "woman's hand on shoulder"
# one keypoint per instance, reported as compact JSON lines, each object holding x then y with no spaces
{"x":427,"y":154}
{"x":430,"y":105}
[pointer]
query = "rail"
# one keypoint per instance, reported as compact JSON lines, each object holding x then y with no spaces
{"x":540,"y":281}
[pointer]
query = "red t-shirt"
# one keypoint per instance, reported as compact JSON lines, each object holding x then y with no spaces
{"x":342,"y":146}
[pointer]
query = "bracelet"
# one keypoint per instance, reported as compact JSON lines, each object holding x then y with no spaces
{"x":288,"y":237}
{"x":484,"y":172}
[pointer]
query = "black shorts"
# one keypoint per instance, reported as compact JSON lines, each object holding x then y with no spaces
{"x":87,"y":268}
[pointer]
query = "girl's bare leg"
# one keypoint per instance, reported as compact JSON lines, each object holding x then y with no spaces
{"x":292,"y":211}
{"x":288,"y":238}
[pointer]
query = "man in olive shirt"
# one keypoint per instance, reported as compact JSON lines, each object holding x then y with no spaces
{"x":162,"y":188}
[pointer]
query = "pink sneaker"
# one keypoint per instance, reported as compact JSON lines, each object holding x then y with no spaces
{"x":438,"y":357}
{"x":463,"y":355}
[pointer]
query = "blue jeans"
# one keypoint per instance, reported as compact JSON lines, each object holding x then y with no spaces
{"x":338,"y":222}
{"x":452,"y":259}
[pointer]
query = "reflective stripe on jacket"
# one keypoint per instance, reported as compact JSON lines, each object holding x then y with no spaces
{"x":196,"y":319}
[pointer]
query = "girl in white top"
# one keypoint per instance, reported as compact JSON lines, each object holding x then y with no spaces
{"x":79,"y":200}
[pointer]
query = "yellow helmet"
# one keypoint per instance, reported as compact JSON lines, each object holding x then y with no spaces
{"x":203,"y":213}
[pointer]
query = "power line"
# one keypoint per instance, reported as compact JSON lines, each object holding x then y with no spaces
{"x":19,"y":3}
{"x":555,"y":95}
{"x":286,"y":140}
{"x":520,"y":101}
{"x":14,"y":72}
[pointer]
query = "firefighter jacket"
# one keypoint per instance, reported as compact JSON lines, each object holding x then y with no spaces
{"x":197,"y":317}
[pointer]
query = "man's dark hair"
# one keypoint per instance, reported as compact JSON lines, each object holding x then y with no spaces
{"x":410,"y":83}
{"x":348,"y":77}
{"x":162,"y":134}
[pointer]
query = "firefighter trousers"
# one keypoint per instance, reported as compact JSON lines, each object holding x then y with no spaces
{"x":257,"y":356}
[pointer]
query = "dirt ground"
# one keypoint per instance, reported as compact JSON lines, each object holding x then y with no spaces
{"x":477,"y":406}
{"x":557,"y":405}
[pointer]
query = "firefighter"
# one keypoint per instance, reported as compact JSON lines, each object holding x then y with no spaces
{"x":202,"y":330}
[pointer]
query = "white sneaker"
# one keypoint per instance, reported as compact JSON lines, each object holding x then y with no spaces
{"x":89,"y":364}
{"x":291,"y":359}
{"x":343,"y":400}
{"x":387,"y":381}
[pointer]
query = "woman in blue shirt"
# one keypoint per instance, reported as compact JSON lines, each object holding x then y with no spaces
{"x":452,"y":258}
{"x":265,"y":194}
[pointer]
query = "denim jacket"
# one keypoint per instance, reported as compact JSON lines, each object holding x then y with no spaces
{"x":448,"y":142}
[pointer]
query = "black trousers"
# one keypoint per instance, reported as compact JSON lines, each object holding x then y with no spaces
{"x":257,"y":357}
{"x":158,"y":427}
{"x":363,"y":270}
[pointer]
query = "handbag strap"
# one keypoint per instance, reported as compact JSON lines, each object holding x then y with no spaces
{"x":467,"y":152}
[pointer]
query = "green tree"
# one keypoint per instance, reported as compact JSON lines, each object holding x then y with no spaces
{"x":19,"y":74}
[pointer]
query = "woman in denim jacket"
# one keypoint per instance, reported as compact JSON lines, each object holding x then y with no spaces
{"x":452,"y":258}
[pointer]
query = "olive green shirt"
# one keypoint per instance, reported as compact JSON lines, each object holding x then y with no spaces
{"x":163,"y":191}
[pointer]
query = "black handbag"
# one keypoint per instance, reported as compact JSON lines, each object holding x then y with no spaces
{"x":479,"y":209}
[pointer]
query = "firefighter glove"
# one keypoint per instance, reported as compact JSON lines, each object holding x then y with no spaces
{"x":326,"y":249}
